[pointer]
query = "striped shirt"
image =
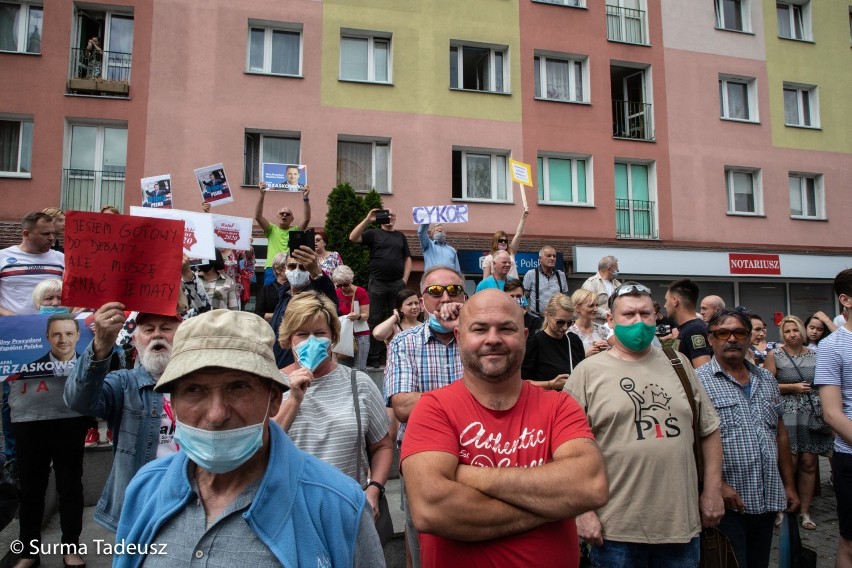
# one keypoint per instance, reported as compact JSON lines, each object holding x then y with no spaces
{"x":420,"y":362}
{"x":749,"y":428}
{"x":21,"y":271}
{"x":834,"y":367}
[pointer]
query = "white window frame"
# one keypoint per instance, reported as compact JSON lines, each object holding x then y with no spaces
{"x":566,"y":3}
{"x":374,"y":142}
{"x":371,"y":38}
{"x":22,"y":135}
{"x":287,"y":135}
{"x":100,"y":174}
{"x":540,"y":59}
{"x":493,"y":155}
{"x":756,"y":186}
{"x":459,"y":47}
{"x":751,"y":95}
{"x":24,"y":24}
{"x":804,"y":9}
{"x":813,"y":105}
{"x":819,"y":195}
{"x":574,"y":158}
{"x":745,"y":16}
{"x":269,"y":28}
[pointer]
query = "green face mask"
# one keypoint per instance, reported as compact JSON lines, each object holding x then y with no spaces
{"x":636,"y":336}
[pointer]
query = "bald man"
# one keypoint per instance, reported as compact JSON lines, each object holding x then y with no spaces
{"x":710,"y":306}
{"x":496,"y":469}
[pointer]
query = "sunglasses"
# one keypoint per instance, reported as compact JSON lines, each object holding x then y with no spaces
{"x":344,"y":285}
{"x":453,"y":290}
{"x":563,"y":323}
{"x":294,"y":266}
{"x":285,"y":214}
{"x":502,"y":240}
{"x":725,"y":334}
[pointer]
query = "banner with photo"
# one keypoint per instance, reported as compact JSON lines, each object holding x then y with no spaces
{"x":28,"y":349}
{"x":214,"y":185}
{"x":284,"y":177}
{"x":157,"y":191}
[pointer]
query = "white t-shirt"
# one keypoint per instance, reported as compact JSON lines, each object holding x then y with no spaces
{"x":21,"y":271}
{"x":167,"y":445}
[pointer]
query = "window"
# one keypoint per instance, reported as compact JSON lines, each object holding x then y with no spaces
{"x":563,"y":180}
{"x":561,"y":78}
{"x":16,"y":147}
{"x":480,"y":174}
{"x":733,"y":15}
{"x":635,"y":201}
{"x":807,"y":197}
{"x":364,"y":164}
{"x":801,"y":105}
{"x":794,"y":19}
{"x":572,"y":3}
{"x":96,"y":158}
{"x":626,"y":21}
{"x":738,"y":98}
{"x":475,"y":68}
{"x":275,"y":49}
{"x":744,"y":191}
{"x":365,"y":58}
{"x":20,"y":27}
{"x":275,"y":149}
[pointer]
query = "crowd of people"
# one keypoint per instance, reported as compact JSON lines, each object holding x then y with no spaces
{"x":535,"y":424}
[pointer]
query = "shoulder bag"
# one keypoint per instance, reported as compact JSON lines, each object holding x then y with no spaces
{"x":816,"y":421}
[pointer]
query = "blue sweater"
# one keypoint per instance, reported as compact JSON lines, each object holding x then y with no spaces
{"x":305,"y":510}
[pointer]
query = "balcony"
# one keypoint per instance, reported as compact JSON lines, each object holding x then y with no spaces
{"x":625,"y":25}
{"x":89,"y":190}
{"x":104,"y":74}
{"x":635,"y":219}
{"x":632,"y":120}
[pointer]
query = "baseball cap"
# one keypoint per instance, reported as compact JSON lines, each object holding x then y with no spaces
{"x":232,"y":339}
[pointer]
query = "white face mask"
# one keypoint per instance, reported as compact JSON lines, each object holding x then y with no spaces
{"x":298,"y":278}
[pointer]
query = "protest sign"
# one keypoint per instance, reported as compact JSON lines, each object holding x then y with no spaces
{"x":439,"y":214}
{"x":157,"y":191}
{"x":284,"y":177}
{"x":214,"y":185}
{"x":120,"y":258}
{"x":198,"y":229}
{"x":232,"y":232}
{"x":25,"y":348}
{"x":521,"y":173}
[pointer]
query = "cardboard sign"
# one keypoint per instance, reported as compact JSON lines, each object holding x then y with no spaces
{"x":214,"y":185}
{"x":284,"y":177}
{"x":198,"y":229}
{"x":439,"y":214}
{"x":120,"y":258}
{"x":25,"y":348}
{"x":521,"y":173}
{"x":232,"y":232}
{"x":157,"y":191}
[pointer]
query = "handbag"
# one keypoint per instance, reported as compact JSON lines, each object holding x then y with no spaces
{"x":716,"y":549}
{"x":384,"y":522}
{"x":346,"y":344}
{"x":816,"y":421}
{"x":791,"y":553}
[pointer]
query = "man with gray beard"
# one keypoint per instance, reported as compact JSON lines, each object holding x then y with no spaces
{"x":142,"y":421}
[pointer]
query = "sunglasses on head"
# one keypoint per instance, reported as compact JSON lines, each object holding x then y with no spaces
{"x":625,"y":289}
{"x":294,"y":266}
{"x":437,"y":290}
{"x":725,"y":334}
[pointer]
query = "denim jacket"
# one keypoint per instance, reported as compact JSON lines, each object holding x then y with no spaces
{"x":127,"y":401}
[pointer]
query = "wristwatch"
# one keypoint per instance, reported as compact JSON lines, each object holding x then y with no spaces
{"x":380,"y":487}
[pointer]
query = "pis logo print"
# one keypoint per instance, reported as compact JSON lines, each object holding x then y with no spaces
{"x":652,"y":411}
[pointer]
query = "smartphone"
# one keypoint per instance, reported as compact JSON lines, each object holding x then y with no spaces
{"x":302,"y":238}
{"x":382,"y":217}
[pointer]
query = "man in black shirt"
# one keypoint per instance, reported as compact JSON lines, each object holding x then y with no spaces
{"x":390,"y":265}
{"x":681,"y":298}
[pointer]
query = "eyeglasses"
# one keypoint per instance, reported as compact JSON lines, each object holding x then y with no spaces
{"x":725,"y":334}
{"x":563,"y":323}
{"x":344,"y":284}
{"x":437,"y":290}
{"x":284,"y":214}
{"x":294,"y":266}
{"x":625,"y":289}
{"x":502,"y":240}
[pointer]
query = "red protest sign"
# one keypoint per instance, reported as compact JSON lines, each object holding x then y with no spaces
{"x":119,"y":258}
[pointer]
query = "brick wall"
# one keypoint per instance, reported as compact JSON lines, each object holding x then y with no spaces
{"x":10,"y":233}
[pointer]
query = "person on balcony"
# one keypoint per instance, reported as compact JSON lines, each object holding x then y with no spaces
{"x":93,"y":56}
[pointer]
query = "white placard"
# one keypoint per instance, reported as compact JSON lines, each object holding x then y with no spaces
{"x":456,"y":213}
{"x":232,"y":232}
{"x":198,"y":229}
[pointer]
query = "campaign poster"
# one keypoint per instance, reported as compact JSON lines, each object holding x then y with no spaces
{"x":214,"y":185}
{"x":232,"y":232}
{"x":284,"y":177}
{"x":429,"y":214}
{"x":157,"y":191}
{"x":122,"y":258}
{"x":198,"y":229}
{"x":42,"y":346}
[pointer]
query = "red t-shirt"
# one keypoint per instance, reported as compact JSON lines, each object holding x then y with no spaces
{"x":344,"y":304}
{"x":451,"y":420}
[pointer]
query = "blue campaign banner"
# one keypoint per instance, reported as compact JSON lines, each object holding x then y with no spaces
{"x":471,"y":261}
{"x":39,"y":345}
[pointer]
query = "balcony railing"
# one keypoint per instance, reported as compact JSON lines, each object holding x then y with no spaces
{"x":635,"y":219}
{"x":626,"y":25}
{"x":632,"y":120}
{"x":99,"y":73}
{"x":89,"y":190}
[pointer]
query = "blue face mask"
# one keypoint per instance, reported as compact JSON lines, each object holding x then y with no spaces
{"x":53,"y":310}
{"x":436,"y":325}
{"x":219,"y":451}
{"x":312,"y":352}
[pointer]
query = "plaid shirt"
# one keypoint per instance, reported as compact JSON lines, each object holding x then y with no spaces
{"x":749,"y":428}
{"x":419,"y":362}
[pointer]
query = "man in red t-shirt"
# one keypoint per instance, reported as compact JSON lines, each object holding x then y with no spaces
{"x":497,"y":469}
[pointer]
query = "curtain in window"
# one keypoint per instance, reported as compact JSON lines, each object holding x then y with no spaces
{"x":743,"y":192}
{"x":478,"y":176}
{"x":34,"y":30}
{"x":382,"y":168}
{"x":256,"y":39}
{"x":795,"y":184}
{"x":558,"y":73}
{"x":355,"y":165}
{"x":737,"y":100}
{"x":783,"y":13}
{"x":9,"y":136}
{"x":9,"y":14}
{"x":791,"y":106}
{"x":381,"y":49}
{"x":285,"y":53}
{"x":353,"y":58}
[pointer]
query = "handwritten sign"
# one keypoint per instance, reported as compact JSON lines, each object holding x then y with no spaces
{"x":232,"y":232}
{"x":214,"y":185}
{"x":25,"y":347}
{"x":157,"y":191}
{"x":439,"y":214}
{"x":284,"y":177}
{"x":521,"y":173}
{"x":198,"y":229}
{"x":132,"y":260}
